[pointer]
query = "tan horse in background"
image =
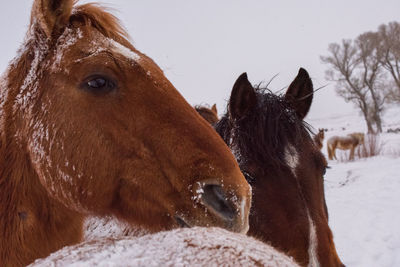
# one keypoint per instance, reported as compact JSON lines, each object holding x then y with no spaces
{"x":319,"y":138}
{"x":349,"y":142}
{"x":89,"y":125}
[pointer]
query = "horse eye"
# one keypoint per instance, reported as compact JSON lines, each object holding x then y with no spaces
{"x":99,"y":84}
{"x":325,"y":168}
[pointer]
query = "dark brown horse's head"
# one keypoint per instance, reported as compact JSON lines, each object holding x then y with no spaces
{"x":105,"y":132}
{"x":276,"y":153}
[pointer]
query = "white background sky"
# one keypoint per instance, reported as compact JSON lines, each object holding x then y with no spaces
{"x":203,"y":46}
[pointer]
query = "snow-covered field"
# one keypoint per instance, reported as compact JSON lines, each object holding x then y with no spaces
{"x":363,"y":196}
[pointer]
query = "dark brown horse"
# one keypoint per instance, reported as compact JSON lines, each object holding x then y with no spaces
{"x":91,"y":126}
{"x":209,"y":114}
{"x":278,"y":156}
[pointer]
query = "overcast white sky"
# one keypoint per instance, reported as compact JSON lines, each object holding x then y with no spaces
{"x":203,"y":46}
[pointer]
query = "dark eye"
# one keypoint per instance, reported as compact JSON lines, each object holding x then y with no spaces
{"x":98,"y":84}
{"x":324,"y":171}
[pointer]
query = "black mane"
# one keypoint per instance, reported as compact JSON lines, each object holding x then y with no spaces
{"x":262,"y":134}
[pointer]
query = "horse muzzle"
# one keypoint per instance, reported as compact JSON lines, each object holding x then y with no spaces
{"x":222,"y":209}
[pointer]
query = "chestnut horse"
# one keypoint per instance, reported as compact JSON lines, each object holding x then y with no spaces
{"x":349,"y":142}
{"x":181,"y":247}
{"x":278,"y":156}
{"x":209,"y":114}
{"x":91,"y":126}
{"x":319,"y":138}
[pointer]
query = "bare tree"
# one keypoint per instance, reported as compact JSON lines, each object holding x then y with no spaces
{"x":389,"y":53}
{"x":354,"y":66}
{"x":373,"y":76}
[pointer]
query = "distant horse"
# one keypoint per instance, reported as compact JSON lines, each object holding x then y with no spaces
{"x":284,"y":166}
{"x":91,"y":126}
{"x":181,"y":247}
{"x":349,"y":142}
{"x":209,"y":114}
{"x":319,"y":138}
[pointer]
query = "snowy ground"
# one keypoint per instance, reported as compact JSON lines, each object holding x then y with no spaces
{"x":363,"y":196}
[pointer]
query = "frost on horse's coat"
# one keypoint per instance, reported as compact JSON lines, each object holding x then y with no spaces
{"x":182,"y":247}
{"x":109,"y":227}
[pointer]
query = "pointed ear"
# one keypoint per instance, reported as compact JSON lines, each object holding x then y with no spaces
{"x":243,"y":97}
{"x":51,"y":15}
{"x":214,"y":109}
{"x":300,"y":93}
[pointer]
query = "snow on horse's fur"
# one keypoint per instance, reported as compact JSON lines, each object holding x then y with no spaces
{"x":181,"y":247}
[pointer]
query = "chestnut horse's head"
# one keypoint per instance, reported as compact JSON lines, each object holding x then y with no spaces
{"x":106,"y":133}
{"x":276,"y":153}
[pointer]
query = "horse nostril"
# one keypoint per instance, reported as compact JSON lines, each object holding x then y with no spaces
{"x":215,"y":198}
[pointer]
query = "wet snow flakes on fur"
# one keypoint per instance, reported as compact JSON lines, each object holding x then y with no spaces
{"x":107,"y":227}
{"x":28,"y":90}
{"x":124,"y":51}
{"x":66,"y":40}
{"x":181,"y":247}
{"x":3,"y":95}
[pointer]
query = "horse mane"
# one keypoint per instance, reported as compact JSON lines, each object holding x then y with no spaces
{"x":263,"y":133}
{"x":100,"y":18}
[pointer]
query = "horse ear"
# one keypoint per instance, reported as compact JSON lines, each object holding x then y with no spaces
{"x":300,"y":93}
{"x":243,"y":97}
{"x":52,"y":15}
{"x":214,"y":108}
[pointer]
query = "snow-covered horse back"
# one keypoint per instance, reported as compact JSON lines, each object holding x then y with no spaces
{"x":181,"y":247}
{"x":284,"y":166}
{"x":90,"y":125}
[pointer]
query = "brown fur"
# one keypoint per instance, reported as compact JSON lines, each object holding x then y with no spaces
{"x":319,"y":138}
{"x":138,"y":151}
{"x":349,"y":142}
{"x":209,"y":114}
{"x":267,"y":134}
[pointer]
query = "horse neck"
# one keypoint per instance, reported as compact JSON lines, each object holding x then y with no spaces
{"x":32,"y":224}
